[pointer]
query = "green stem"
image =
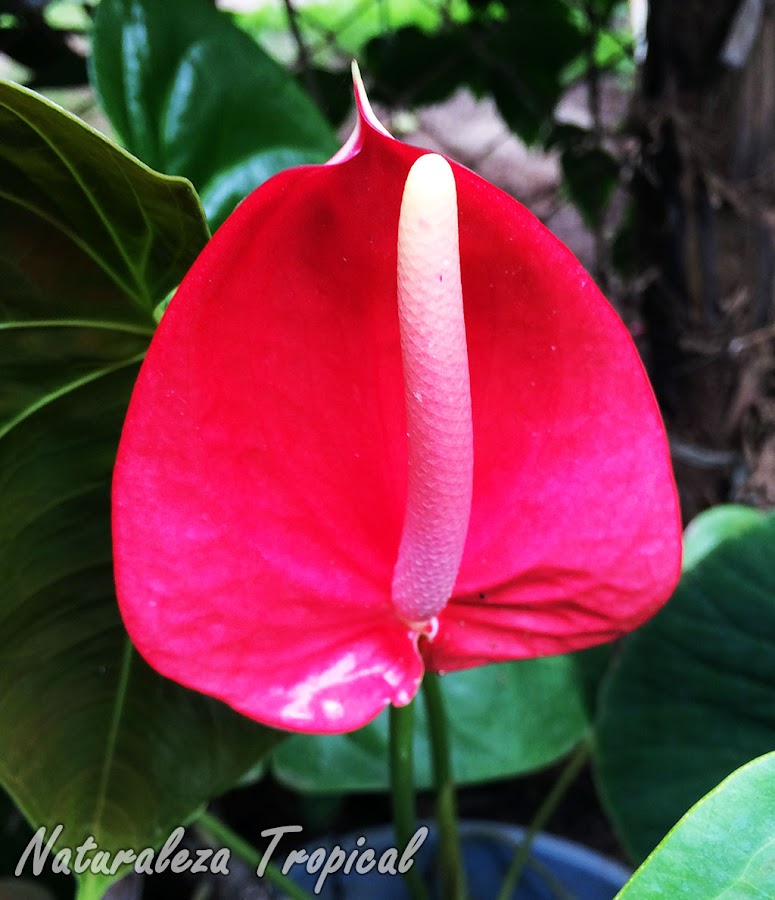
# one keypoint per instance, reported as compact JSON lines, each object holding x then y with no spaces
{"x":402,"y":787}
{"x":450,"y":855}
{"x":545,"y":812}
{"x":91,"y":887}
{"x":248,"y":853}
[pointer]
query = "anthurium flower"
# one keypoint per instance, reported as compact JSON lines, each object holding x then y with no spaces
{"x":387,"y":423}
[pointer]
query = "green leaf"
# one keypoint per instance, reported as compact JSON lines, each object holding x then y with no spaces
{"x":90,"y":241}
{"x":591,"y":175}
{"x":504,"y":720}
{"x":690,"y":699}
{"x":591,"y":667}
{"x":516,"y":56}
{"x":526,"y":59}
{"x":705,"y":532}
{"x":412,"y":65}
{"x":226,"y":189}
{"x":723,"y":847}
{"x":319,"y":19}
{"x":110,"y":229}
{"x":193,"y":95}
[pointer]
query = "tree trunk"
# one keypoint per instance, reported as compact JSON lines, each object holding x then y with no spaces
{"x":706,"y":122}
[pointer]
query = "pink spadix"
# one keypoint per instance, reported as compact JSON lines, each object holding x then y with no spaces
{"x":437,"y":395}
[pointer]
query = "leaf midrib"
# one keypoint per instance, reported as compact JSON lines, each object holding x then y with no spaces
{"x":139,"y":297}
{"x":140,"y":293}
{"x":104,"y":325}
{"x":112,"y":738}
{"x":65,"y":389}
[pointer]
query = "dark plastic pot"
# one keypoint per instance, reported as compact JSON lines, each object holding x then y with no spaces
{"x":557,"y":867}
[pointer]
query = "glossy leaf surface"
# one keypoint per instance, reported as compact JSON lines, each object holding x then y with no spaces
{"x":712,"y":527}
{"x":191,"y":94}
{"x":723,"y":847}
{"x":90,"y":736}
{"x":690,"y":699}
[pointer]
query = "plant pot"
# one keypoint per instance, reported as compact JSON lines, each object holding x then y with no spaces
{"x":557,"y":868}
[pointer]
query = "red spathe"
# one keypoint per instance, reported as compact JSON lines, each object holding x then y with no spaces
{"x":260,"y":486}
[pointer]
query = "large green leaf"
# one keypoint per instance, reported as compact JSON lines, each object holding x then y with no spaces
{"x":715,"y":525}
{"x":191,"y":94}
{"x":90,"y":242}
{"x":84,"y":223}
{"x":690,"y":699}
{"x":504,"y":720}
{"x":723,"y":847}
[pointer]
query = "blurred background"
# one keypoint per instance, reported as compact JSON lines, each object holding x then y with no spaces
{"x":640,"y":133}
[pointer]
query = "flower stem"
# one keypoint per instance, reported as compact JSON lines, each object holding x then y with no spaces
{"x":402,"y":787}
{"x":567,"y":777}
{"x":248,"y":853}
{"x":450,"y":856}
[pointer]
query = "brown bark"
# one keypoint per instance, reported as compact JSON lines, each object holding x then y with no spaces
{"x":704,"y":195}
